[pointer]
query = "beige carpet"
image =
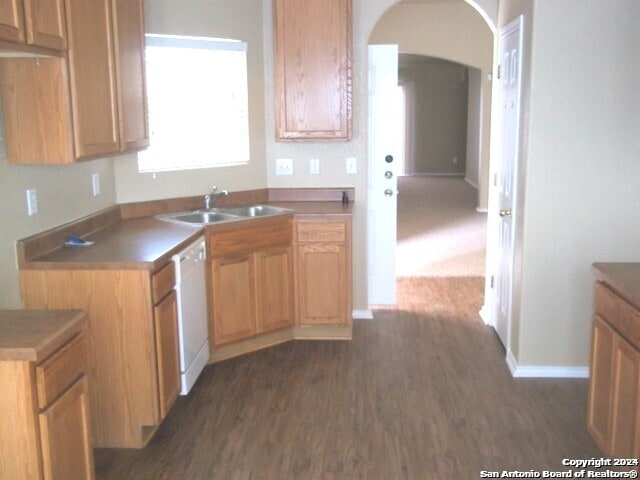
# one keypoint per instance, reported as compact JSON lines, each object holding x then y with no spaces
{"x":440,"y":233}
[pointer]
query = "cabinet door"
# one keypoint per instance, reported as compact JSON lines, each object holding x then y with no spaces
{"x":600,"y":379}
{"x":625,"y":401}
{"x":92,"y":77}
{"x":234,"y":311}
{"x":45,"y":23}
{"x":66,"y":435}
{"x":274,"y":288}
{"x":128,"y":28}
{"x":12,"y":21}
{"x":166,"y":321}
{"x":322,"y":284}
{"x":313,"y":69}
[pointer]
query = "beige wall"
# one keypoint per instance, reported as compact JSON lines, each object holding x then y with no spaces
{"x":581,"y":195}
{"x":64,"y":194}
{"x":451,"y":31}
{"x":64,"y":190}
{"x":439,"y":90}
{"x":237,"y":19}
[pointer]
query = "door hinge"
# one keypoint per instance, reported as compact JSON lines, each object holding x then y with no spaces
{"x":492,"y":280}
{"x":498,"y":72}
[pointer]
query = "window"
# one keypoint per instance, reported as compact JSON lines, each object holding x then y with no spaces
{"x":197,"y":95}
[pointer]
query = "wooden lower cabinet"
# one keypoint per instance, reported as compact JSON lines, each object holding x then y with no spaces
{"x":323,"y":271}
{"x":165,"y":315}
{"x":601,"y":369}
{"x":274,"y":288}
{"x":133,"y":351}
{"x":65,"y":423}
{"x":233,"y":298}
{"x":44,"y":412}
{"x":251,"y":281}
{"x":625,"y":401}
{"x":613,"y":416}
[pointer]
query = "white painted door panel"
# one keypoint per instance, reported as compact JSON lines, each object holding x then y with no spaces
{"x":510,"y":51}
{"x":383,"y":168}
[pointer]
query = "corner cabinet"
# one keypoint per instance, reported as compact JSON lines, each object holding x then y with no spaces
{"x":613,"y":417}
{"x":87,"y":104}
{"x":313,"y":69}
{"x":323,"y":271}
{"x":251,"y":274}
{"x":133,"y":347}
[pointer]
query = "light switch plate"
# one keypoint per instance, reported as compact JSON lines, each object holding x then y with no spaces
{"x":352,"y":165}
{"x":95,"y":184}
{"x":284,"y":166}
{"x":314,"y":166}
{"x":32,"y":201}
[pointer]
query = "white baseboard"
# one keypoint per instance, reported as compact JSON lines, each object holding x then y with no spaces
{"x":481,"y":210}
{"x":544,"y":371}
{"x":473,"y":184}
{"x":362,"y":314}
{"x":484,"y":315}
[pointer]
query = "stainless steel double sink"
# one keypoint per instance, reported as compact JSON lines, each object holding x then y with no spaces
{"x":222,"y":214}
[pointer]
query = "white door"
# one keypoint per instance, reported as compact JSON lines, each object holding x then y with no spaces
{"x":383,"y":167}
{"x":510,"y":51}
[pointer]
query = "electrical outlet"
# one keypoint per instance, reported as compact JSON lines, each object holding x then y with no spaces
{"x":314,"y":166}
{"x":284,"y":166}
{"x":95,"y":184}
{"x":352,"y":165}
{"x":32,"y":201}
{"x":454,"y":160}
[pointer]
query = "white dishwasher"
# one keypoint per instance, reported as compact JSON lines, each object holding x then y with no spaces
{"x":193,"y":327}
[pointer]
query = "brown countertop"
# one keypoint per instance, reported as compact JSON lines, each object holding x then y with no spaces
{"x":33,"y":335}
{"x":146,"y":243}
{"x":316,"y":208}
{"x":623,"y":278}
{"x":137,"y":243}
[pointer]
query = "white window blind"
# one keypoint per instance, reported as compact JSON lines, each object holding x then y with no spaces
{"x":198,"y":106}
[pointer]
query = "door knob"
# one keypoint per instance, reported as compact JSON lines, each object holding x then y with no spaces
{"x":505,"y":212}
{"x":388,"y":174}
{"x":388,"y":192}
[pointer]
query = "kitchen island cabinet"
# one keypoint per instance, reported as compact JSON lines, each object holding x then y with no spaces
{"x":614,"y":384}
{"x":44,"y":408}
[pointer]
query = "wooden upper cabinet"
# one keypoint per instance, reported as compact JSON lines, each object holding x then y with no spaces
{"x":12,"y":21}
{"x":45,"y":23}
{"x":93,"y":78}
{"x":87,"y":104}
{"x":313,"y":69}
{"x":128,"y":27}
{"x":33,"y":23}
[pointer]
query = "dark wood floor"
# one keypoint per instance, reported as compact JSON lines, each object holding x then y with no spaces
{"x":422,"y":392}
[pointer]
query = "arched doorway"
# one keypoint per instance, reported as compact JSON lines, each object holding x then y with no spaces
{"x":452,"y":31}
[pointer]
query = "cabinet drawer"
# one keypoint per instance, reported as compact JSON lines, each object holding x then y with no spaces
{"x":321,"y":232}
{"x":163,"y":281}
{"x":246,"y":239}
{"x":60,"y":370}
{"x":621,"y":315}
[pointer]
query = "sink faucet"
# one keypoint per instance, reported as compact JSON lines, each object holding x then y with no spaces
{"x":211,"y":197}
